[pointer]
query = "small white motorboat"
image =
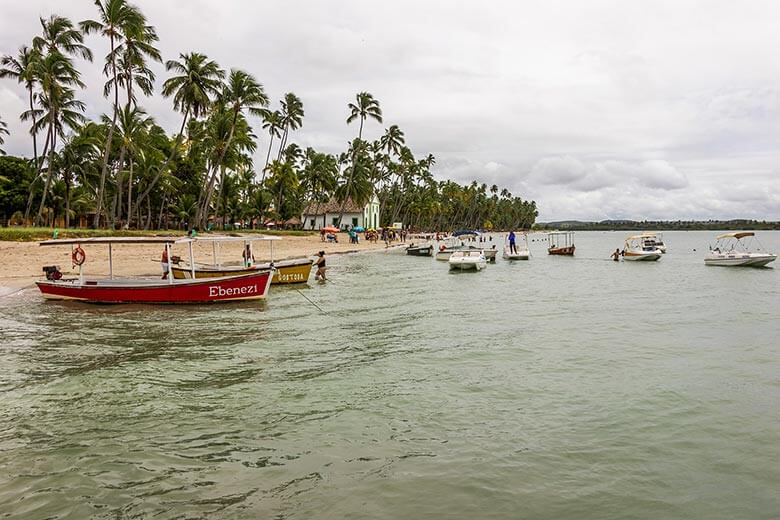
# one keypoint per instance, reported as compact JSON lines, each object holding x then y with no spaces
{"x":447,"y":247}
{"x":638,"y":249}
{"x":467,"y":260}
{"x":732,"y":250}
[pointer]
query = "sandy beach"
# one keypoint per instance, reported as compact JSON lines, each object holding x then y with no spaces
{"x":23,"y":261}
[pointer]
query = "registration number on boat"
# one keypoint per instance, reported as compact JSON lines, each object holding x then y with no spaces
{"x":294,"y":277}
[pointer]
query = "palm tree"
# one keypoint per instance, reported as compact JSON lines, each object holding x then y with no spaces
{"x":23,"y":68}
{"x":133,"y":126}
{"x":132,"y":55}
{"x":283,"y":183}
{"x":272,"y":122}
{"x":319,"y":176}
{"x":393,"y":140}
{"x":77,"y":159}
{"x":242,"y":93}
{"x":59,"y":108}
{"x":291,"y":118}
{"x":364,"y":107}
{"x":198,"y":81}
{"x":116,"y":19}
{"x":59,"y":35}
{"x":62,"y":111}
{"x":3,"y":130}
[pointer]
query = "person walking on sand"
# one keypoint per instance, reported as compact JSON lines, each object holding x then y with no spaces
{"x":512,"y":246}
{"x":320,"y":274}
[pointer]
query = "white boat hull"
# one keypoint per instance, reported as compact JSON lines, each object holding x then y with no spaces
{"x":471,"y":265}
{"x":445,"y":254}
{"x":520,"y":255}
{"x":467,"y":261}
{"x":740,"y":260}
{"x":642,"y":257}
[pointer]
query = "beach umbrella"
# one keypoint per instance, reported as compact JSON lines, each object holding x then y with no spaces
{"x":330,"y":229}
{"x":358,"y":229}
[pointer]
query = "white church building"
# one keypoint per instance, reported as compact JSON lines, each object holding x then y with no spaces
{"x":326,"y":214}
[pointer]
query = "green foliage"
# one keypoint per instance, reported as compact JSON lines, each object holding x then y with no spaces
{"x":16,"y":174}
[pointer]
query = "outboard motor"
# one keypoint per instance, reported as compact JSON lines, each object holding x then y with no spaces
{"x":52,"y":272}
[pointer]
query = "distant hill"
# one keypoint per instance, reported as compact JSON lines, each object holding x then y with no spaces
{"x":657,"y":225}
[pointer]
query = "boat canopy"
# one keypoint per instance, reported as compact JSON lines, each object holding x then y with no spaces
{"x":116,"y":240}
{"x":560,"y":232}
{"x":642,"y":236}
{"x":737,"y":235}
{"x":226,"y":238}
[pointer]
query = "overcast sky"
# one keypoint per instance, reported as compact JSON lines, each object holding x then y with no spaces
{"x":596,"y":109}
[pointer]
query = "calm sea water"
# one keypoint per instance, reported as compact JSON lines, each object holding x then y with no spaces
{"x":554,"y":388}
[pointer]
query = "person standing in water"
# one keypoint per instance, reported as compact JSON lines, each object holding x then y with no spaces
{"x":616,"y":255}
{"x":512,"y":246}
{"x":320,"y":274}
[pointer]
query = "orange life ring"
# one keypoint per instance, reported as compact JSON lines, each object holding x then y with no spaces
{"x":78,"y":256}
{"x":442,"y":247}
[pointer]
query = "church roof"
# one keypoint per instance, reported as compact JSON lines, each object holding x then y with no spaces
{"x":332,"y":206}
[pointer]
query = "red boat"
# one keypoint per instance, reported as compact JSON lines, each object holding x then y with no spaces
{"x":252,"y":286}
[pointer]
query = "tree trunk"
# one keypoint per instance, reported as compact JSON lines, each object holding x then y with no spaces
{"x":162,"y":206}
{"x":35,"y":155}
{"x":53,"y":137}
{"x":130,"y":192}
{"x":205,"y":207}
{"x":107,"y":151}
{"x":31,"y":195}
{"x":282,"y":143}
{"x":267,"y":158}
{"x":116,"y":212}
{"x":66,"y":175}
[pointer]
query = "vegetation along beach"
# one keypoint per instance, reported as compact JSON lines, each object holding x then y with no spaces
{"x":419,"y":260}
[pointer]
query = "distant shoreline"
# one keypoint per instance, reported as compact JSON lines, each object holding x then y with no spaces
{"x":659,"y":225}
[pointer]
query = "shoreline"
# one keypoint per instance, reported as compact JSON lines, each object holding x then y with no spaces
{"x":26,"y":259}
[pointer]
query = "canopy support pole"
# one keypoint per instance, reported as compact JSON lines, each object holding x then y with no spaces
{"x":168,"y":255}
{"x":110,"y":263}
{"x":192,"y":261}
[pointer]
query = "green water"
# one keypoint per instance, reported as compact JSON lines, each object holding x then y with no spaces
{"x":554,"y":388}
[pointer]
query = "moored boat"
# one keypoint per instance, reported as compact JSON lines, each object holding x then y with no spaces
{"x":252,"y":286}
{"x":467,"y":260}
{"x":638,"y":249}
{"x":490,"y":254}
{"x":420,"y":250}
{"x":521,"y":251}
{"x":734,"y":250}
{"x":560,"y":243}
{"x":295,"y":270}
